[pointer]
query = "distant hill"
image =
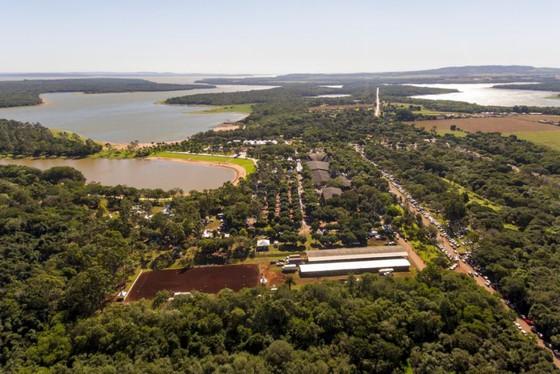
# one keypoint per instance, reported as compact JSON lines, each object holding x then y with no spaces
{"x":452,"y":74}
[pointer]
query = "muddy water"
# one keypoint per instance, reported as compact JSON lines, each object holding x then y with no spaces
{"x":141,"y":173}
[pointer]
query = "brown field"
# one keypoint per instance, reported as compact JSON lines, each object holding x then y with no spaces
{"x":209,"y":279}
{"x":506,"y":125}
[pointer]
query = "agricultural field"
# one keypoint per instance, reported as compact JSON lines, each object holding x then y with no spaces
{"x":525,"y":127}
{"x":209,"y":279}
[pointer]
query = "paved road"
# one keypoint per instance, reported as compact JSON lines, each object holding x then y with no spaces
{"x":462,"y":267}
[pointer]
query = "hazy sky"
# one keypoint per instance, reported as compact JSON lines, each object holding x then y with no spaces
{"x":274,"y":36}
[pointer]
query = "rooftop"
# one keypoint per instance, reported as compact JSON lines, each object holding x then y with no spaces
{"x":354,"y":251}
{"x":330,"y":192}
{"x":318,"y":165}
{"x":353,"y":265}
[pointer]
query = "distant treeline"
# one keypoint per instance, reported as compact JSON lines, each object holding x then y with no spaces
{"x":26,"y":92}
{"x":27,"y":139}
{"x":464,"y":107}
{"x":553,"y":85}
{"x":360,"y":91}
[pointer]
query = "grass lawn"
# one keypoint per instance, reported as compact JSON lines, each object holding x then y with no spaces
{"x":235,"y":108}
{"x":474,"y":197}
{"x":248,"y":165}
{"x":459,"y":134}
{"x":549,"y":139}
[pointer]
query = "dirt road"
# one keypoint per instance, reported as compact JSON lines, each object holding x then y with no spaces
{"x":462,"y":267}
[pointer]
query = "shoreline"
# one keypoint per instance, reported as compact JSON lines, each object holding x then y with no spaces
{"x":240,"y":172}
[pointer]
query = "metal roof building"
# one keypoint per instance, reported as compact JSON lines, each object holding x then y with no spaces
{"x":343,"y":268}
{"x":356,"y":254}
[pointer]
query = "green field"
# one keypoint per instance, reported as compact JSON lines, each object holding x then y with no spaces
{"x":234,"y":108}
{"x":456,"y":133}
{"x":248,"y":165}
{"x":549,"y":139}
{"x":423,"y":111}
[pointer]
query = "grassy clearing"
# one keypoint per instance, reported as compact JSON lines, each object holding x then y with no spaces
{"x":422,"y":111}
{"x":550,"y":139}
{"x":114,"y":154}
{"x":427,"y":252}
{"x":235,"y":108}
{"x":459,"y":134}
{"x":474,"y":197}
{"x":248,"y":165}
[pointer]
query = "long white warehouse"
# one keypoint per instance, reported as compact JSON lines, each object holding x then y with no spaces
{"x":347,"y":267}
{"x":356,"y":254}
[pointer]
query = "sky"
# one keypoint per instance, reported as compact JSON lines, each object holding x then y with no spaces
{"x":274,"y":36}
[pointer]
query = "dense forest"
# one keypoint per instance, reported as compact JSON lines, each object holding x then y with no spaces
{"x":27,"y":139}
{"x":67,"y":248}
{"x":26,"y":92}
{"x":62,"y":256}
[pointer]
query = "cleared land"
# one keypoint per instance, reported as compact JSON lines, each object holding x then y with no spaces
{"x":234,"y":108}
{"x":523,"y":126}
{"x":209,"y":279}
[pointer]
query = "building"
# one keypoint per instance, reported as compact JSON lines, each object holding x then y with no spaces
{"x":347,"y":267}
{"x":356,"y":254}
{"x":317,"y":156}
{"x":263,"y":245}
{"x":329,"y":192}
{"x":320,"y":177}
{"x":318,"y":165}
{"x":343,"y":182}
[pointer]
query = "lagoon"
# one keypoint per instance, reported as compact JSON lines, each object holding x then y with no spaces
{"x":484,"y":94}
{"x":125,"y":117}
{"x":139,"y":173}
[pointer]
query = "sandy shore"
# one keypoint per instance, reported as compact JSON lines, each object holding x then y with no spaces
{"x":226,"y":126}
{"x":240,"y":172}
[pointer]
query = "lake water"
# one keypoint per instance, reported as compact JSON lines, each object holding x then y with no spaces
{"x":484,"y":94}
{"x":124,"y":117}
{"x":140,"y":173}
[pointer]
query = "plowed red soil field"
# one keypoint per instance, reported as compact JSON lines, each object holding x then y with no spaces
{"x":209,"y":279}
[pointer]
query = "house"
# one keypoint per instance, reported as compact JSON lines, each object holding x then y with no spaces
{"x":318,"y":165}
{"x":317,"y":156}
{"x":329,"y":192}
{"x":320,"y":177}
{"x":263,"y":245}
{"x":344,"y":182}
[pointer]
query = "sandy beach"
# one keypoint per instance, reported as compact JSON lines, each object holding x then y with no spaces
{"x":240,"y":172}
{"x":226,"y":126}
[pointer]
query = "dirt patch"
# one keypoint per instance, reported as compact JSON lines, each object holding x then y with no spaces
{"x":226,"y":126}
{"x":273,"y":274}
{"x":209,"y":279}
{"x":521,"y":123}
